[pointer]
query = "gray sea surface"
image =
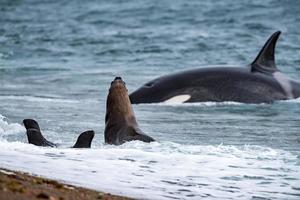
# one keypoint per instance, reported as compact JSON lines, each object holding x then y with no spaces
{"x":58,"y":57}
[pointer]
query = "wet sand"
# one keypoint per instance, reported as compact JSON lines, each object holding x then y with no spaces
{"x":22,"y":186}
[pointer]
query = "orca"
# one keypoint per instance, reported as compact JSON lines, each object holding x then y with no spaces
{"x":259,"y":82}
{"x":35,"y":136}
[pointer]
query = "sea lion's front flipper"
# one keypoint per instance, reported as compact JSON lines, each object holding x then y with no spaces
{"x":34,"y":134}
{"x":137,"y":134}
{"x":31,"y":124}
{"x":85,"y":139}
{"x":143,"y":138}
{"x":265,"y":60}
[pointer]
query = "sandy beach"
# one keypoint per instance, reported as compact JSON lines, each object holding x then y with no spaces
{"x":22,"y":186}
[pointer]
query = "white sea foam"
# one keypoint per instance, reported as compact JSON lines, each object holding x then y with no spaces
{"x":297,"y":100}
{"x":162,"y":170}
{"x":36,"y":99}
{"x":9,"y":128}
{"x":214,"y":104}
{"x":197,"y":104}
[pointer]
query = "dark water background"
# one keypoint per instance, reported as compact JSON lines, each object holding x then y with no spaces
{"x":58,"y":57}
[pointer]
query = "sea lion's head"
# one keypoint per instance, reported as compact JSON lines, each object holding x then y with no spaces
{"x":118,"y":105}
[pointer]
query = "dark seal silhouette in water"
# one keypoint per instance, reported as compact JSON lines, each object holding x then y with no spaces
{"x":35,"y":136}
{"x":120,"y":123}
{"x":259,"y":82}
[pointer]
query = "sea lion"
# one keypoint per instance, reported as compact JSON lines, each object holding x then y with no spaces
{"x":35,"y":136}
{"x":120,"y":123}
{"x":259,"y":82}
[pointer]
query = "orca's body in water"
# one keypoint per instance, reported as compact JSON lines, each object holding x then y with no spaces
{"x":35,"y":136}
{"x":259,"y":82}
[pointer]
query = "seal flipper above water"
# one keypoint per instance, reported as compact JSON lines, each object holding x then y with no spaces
{"x":35,"y":137}
{"x":265,"y":60}
{"x":31,"y":124}
{"x":84,"y":139}
{"x":34,"y":134}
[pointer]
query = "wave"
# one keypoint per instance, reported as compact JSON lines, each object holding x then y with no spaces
{"x":37,"y":98}
{"x":198,"y":104}
{"x":9,"y":128}
{"x":160,"y":170}
{"x":163,"y":170}
{"x":214,"y":104}
{"x":297,"y":100}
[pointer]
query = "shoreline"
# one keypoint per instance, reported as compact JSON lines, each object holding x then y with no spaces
{"x":17,"y":185}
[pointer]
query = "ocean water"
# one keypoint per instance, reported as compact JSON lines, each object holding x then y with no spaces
{"x":58,"y":57}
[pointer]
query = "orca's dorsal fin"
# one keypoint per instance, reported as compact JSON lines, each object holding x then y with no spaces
{"x":265,"y":60}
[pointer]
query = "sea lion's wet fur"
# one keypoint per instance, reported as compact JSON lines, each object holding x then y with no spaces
{"x":35,"y":136}
{"x":120,"y":122}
